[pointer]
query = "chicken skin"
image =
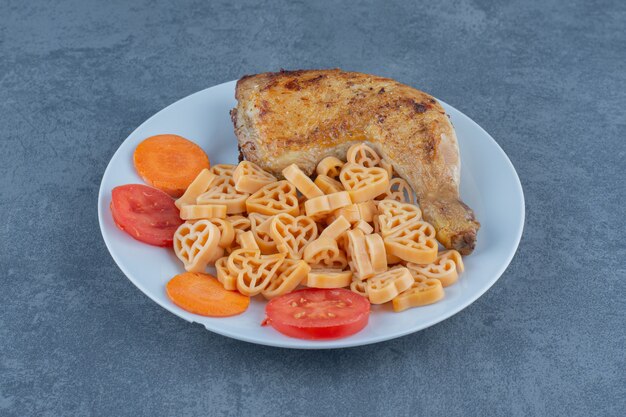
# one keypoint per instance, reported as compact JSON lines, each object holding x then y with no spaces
{"x":303,"y":116}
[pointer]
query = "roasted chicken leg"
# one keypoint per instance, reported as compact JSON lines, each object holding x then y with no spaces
{"x":303,"y":116}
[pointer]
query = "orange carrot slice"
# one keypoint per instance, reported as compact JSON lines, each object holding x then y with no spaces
{"x":203,"y":294}
{"x":169,"y":162}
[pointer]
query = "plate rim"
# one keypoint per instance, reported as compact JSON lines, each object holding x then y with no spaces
{"x":338,"y":343}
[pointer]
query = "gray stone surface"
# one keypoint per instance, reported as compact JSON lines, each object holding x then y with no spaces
{"x":545,"y":78}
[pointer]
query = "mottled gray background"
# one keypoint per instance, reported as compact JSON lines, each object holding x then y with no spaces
{"x":547,"y":79}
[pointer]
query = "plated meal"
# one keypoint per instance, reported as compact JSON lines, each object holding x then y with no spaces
{"x":346,"y":195}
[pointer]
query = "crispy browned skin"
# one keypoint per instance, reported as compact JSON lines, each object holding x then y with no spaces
{"x":303,"y":116}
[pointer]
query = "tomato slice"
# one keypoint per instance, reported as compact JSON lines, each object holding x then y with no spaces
{"x":147,"y":214}
{"x":314,"y":313}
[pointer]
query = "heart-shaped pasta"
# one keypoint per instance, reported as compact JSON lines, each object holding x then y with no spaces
{"x":288,"y":276}
{"x":363,"y":183}
{"x":228,"y":280}
{"x":364,"y":155}
{"x":386,"y":286}
{"x":202,"y":211}
{"x":398,"y":190}
{"x":364,"y":226}
{"x":225,"y":170}
{"x":394,"y":215}
{"x":335,"y":229}
{"x":301,"y":181}
{"x":227,"y":232}
{"x":415,"y":242}
{"x":259,"y":225}
{"x":253,"y":270}
{"x":249,"y":177}
{"x":240,"y":223}
{"x":393,"y":259}
{"x":199,"y":185}
{"x":223,"y":192}
{"x":320,"y":207}
{"x":275,"y":198}
{"x":217,"y":253}
{"x":328,"y":278}
{"x":323,"y":252}
{"x":196,"y":244}
{"x":360,"y":262}
{"x":292,"y":234}
{"x":328,"y":185}
{"x":393,"y":208}
{"x":356,"y":212}
{"x":358,"y":286}
{"x":246,"y":241}
{"x":376,"y":250}
{"x":422,"y":292}
{"x":445,"y":268}
{"x":330,"y":167}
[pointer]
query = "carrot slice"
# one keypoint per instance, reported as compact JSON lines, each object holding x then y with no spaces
{"x":169,"y":162}
{"x":203,"y":294}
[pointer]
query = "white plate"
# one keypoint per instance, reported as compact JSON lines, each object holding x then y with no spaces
{"x":489,"y":185}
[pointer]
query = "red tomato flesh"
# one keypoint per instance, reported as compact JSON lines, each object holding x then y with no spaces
{"x":147,"y":214}
{"x":314,"y":313}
